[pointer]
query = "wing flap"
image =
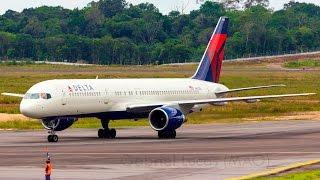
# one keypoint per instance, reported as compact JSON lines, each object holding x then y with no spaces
{"x":251,"y":88}
{"x":138,"y":108}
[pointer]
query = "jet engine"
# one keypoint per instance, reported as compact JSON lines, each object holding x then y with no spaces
{"x":58,"y":123}
{"x":166,"y":118}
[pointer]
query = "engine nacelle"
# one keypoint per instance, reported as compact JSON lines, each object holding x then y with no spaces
{"x":252,"y":100}
{"x":166,"y":118}
{"x":219,"y":104}
{"x":58,"y":123}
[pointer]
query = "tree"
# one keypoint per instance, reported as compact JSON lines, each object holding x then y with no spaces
{"x":212,"y":9}
{"x":114,"y":32}
{"x":304,"y":37}
{"x":76,"y":22}
{"x":25,"y":46}
{"x":149,"y":27}
{"x":35,"y":28}
{"x":53,"y":47}
{"x":110,"y":7}
{"x":94,"y":19}
{"x":174,"y":14}
{"x":6,"y":43}
{"x":9,"y":14}
{"x":244,"y":3}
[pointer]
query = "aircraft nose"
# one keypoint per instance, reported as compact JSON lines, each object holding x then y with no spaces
{"x":28,"y":109}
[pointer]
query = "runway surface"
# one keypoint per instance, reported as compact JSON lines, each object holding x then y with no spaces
{"x":200,"y":151}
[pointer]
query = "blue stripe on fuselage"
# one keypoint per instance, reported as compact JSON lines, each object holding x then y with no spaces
{"x":112,"y":115}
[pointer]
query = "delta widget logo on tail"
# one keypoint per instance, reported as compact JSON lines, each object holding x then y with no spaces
{"x":210,"y":64}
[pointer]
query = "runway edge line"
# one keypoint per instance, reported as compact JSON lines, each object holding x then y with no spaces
{"x":276,"y":170}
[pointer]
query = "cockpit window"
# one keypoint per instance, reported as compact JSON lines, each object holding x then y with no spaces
{"x":37,"y":96}
{"x":45,"y":96}
{"x":32,"y":96}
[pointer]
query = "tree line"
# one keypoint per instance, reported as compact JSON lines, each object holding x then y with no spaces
{"x":115,"y":32}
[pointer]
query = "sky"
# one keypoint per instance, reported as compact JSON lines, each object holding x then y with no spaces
{"x":165,"y":6}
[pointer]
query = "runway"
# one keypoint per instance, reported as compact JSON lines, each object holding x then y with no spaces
{"x":200,"y":151}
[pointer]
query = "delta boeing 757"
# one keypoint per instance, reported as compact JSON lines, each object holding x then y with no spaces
{"x":165,"y":102}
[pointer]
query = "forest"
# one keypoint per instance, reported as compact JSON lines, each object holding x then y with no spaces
{"x":116,"y":32}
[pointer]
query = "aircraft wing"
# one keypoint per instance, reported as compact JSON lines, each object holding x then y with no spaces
{"x":245,"y":99}
{"x":137,"y":108}
{"x":251,"y":88}
{"x":13,"y":94}
{"x":249,"y":99}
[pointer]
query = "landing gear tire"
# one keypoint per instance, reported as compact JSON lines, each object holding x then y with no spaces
{"x":112,"y":133}
{"x":167,"y":134}
{"x":101,"y":133}
{"x":107,"y":133}
{"x":53,"y":138}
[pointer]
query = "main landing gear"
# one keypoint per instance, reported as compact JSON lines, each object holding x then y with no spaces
{"x":168,"y":134}
{"x":106,"y":133}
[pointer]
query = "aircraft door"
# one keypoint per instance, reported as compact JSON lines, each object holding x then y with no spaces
{"x":106,"y":97}
{"x":64,"y":98}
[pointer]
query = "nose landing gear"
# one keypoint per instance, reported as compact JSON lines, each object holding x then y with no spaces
{"x":106,"y":133}
{"x":52,"y":137}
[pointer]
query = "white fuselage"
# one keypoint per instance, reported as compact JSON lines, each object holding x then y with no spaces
{"x":76,"y":97}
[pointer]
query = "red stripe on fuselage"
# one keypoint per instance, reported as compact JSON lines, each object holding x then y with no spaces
{"x":216,"y":43}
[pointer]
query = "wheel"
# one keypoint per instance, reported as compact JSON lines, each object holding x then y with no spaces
{"x":171,"y":134}
{"x":50,"y":138}
{"x":106,"y":133}
{"x":112,"y":133}
{"x":161,"y":135}
{"x":101,"y":133}
{"x":55,"y":138}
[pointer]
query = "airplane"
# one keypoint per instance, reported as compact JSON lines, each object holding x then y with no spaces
{"x":165,"y":102}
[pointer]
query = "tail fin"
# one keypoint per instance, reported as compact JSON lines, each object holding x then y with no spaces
{"x":210,"y":65}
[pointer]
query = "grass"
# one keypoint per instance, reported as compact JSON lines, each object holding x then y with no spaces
{"x":307,"y":175}
{"x":309,"y":63}
{"x":19,"y":78}
{"x":84,"y":123}
{"x":19,"y":124}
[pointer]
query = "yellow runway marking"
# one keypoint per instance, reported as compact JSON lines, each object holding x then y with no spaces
{"x":277,"y":170}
